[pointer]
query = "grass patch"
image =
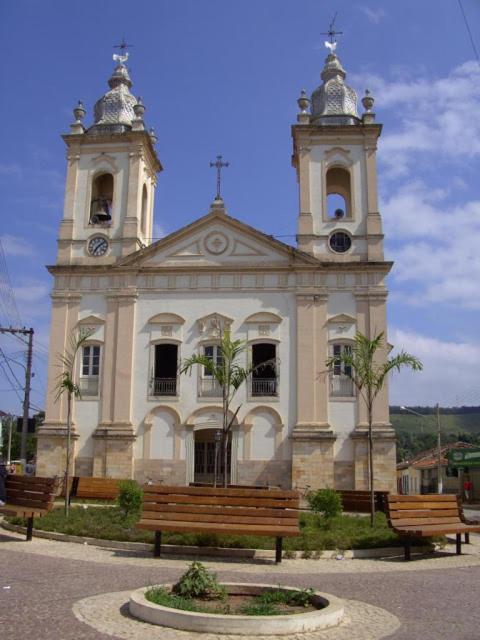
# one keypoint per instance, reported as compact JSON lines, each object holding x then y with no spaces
{"x":317,"y":534}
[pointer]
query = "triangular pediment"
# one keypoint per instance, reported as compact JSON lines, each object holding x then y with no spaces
{"x":217,"y":240}
{"x":90,"y":320}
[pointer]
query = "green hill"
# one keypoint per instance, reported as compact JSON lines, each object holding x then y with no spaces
{"x":415,"y":434}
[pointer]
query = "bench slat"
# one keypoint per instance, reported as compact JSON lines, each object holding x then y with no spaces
{"x":288,"y":514}
{"x":198,"y":517}
{"x":220,"y":491}
{"x":178,"y":525}
{"x":220,"y":500}
{"x":422,"y":505}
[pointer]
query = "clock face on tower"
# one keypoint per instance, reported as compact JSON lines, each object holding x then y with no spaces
{"x":97,"y":246}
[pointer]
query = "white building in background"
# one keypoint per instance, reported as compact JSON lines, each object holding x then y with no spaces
{"x":151,"y":306}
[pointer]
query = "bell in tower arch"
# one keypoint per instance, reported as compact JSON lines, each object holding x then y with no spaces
{"x":102,"y":196}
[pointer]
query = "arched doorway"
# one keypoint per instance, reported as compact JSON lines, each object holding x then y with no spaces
{"x":209,"y":456}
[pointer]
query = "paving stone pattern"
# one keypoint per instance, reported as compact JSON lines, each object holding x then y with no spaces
{"x":434,"y":598}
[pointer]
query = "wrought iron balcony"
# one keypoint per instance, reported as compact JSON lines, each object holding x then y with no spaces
{"x":209,"y":388}
{"x":164,"y":387}
{"x":264,"y":386}
{"x":341,"y":387}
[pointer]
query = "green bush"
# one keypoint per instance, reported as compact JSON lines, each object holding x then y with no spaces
{"x":325,"y":501}
{"x":197,"y":582}
{"x":130,"y":498}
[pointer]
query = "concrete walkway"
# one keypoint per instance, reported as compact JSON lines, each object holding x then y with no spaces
{"x":68,"y":591}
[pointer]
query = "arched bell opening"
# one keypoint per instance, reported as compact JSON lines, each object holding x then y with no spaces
{"x":339,"y":200}
{"x":102,"y":199}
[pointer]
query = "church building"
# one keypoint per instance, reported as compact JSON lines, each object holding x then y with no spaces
{"x":149,"y":306}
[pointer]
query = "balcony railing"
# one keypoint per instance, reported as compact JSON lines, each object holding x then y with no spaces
{"x":89,"y":386}
{"x":164,"y":386}
{"x":341,"y":387}
{"x":209,"y":388}
{"x":264,"y":387}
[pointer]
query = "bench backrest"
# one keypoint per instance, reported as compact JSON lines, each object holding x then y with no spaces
{"x":419,"y":510}
{"x":209,"y":504}
{"x":99,"y":488}
{"x":31,"y":491}
{"x":359,"y":501}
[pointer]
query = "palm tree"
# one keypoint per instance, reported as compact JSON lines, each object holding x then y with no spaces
{"x":67,"y":385}
{"x":230,"y":376}
{"x":362,"y":363}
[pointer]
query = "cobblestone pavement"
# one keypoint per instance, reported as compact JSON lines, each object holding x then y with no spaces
{"x":43,"y":581}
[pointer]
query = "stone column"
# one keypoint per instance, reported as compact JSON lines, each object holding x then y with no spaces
{"x":114,"y":436}
{"x":66,"y":225}
{"x":133,"y":204}
{"x":51,"y":436}
{"x":363,"y":326}
{"x":374,"y":221}
{"x":312,"y":439}
{"x":305,"y":218}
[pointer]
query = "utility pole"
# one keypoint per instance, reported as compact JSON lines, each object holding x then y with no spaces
{"x":439,"y":453}
{"x":28,"y":378}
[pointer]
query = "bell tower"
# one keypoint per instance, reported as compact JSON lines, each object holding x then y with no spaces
{"x":111,"y":178}
{"x":334,"y":154}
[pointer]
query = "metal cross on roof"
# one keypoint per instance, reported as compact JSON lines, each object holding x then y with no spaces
{"x":219,"y":166}
{"x":331,"y":33}
{"x":123,"y":46}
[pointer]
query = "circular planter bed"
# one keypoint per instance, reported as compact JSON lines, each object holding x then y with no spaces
{"x":324,"y":611}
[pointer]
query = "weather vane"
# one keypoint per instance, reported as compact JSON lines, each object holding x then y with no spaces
{"x":219,"y":166}
{"x":331,"y":33}
{"x":123,"y":56}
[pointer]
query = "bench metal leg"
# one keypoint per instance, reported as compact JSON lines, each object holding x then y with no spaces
{"x":158,"y":544}
{"x":467,"y":538}
{"x":278,"y":550}
{"x":29,"y":528}
{"x":407,"y":545}
{"x":459,"y":543}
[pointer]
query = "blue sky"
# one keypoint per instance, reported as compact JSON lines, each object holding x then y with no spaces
{"x":223,"y":77}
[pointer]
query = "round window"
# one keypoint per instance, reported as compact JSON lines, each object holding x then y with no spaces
{"x":340,"y":242}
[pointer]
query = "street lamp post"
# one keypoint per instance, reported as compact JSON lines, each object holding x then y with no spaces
{"x":439,"y":443}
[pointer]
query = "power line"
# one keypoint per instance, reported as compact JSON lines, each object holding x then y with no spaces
{"x":469,"y":31}
{"x":7,"y":295}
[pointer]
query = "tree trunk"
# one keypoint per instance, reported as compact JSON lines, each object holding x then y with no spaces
{"x":370,"y":464}
{"x":67,"y":463}
{"x":225,"y":436}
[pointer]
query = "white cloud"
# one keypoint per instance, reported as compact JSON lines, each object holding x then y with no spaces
{"x":450,"y":369}
{"x":435,"y":251}
{"x":375,"y":16}
{"x":12,"y":169}
{"x":31,"y":292}
{"x":437,"y":116}
{"x":16,"y":246}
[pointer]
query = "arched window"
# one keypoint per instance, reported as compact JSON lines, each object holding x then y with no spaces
{"x":339,"y":201}
{"x":208,"y":385}
{"x":144,"y":209}
{"x":102,"y":198}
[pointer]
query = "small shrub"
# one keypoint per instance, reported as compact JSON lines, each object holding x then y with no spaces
{"x":302,"y":598}
{"x":325,"y":501}
{"x":197,"y":582}
{"x":289,"y":554}
{"x":130,"y":498}
{"x":260,"y":609}
{"x":159,"y":595}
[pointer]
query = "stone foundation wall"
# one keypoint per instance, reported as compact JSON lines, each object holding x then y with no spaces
{"x":84,"y":467}
{"x":312,"y":462}
{"x":384,"y":464}
{"x":344,"y":475}
{"x":161,"y":471}
{"x":112,"y":456}
{"x":52,"y":454}
{"x":276,"y":473}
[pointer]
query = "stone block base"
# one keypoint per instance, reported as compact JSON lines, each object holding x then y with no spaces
{"x":161,"y":471}
{"x":52,"y":452}
{"x":384,"y":462}
{"x":276,"y":473}
{"x":113,"y":454}
{"x":312,"y":459}
{"x":344,"y":475}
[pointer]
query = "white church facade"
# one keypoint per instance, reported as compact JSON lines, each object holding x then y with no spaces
{"x":148,"y":307}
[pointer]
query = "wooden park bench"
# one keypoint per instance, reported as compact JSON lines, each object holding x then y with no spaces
{"x":95,"y":488}
{"x":426,"y":516}
{"x":359,"y":501}
{"x":217,"y":510}
{"x":29,"y":497}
